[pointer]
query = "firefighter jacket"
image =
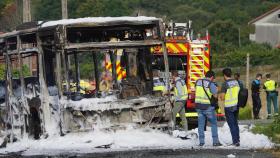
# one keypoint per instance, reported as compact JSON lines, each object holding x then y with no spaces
{"x":232,"y":91}
{"x":180,"y":89}
{"x":270,"y":85}
{"x":200,"y":95}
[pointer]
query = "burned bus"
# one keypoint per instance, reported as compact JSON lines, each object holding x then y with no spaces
{"x":57,"y":96}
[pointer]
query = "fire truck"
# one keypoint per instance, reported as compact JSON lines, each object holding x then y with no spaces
{"x":189,"y":57}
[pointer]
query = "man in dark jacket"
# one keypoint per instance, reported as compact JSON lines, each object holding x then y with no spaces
{"x":255,"y":87}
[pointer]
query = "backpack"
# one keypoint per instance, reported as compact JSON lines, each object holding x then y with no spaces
{"x":242,"y":97}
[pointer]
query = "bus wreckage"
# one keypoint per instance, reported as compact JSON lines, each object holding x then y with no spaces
{"x":52,"y":99}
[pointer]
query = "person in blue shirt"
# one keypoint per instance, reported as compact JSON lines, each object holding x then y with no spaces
{"x":255,"y":87}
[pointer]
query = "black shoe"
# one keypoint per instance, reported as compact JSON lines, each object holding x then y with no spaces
{"x":201,"y":144}
{"x":236,"y":144}
{"x":217,"y":144}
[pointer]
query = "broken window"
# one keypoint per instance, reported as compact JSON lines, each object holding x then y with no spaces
{"x":176,"y":62}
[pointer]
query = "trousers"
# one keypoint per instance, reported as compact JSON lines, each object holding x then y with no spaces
{"x":210,"y":115}
{"x":271,"y":96}
{"x":179,"y":107}
{"x":231,"y":117}
{"x":256,"y":104}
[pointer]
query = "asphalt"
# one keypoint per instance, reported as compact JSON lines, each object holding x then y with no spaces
{"x":163,"y":153}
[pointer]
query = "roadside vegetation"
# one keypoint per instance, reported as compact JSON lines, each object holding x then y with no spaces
{"x":245,"y":113}
{"x":260,"y":54}
{"x":271,"y":130}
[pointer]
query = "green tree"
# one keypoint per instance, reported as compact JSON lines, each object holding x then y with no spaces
{"x":46,"y":9}
{"x":224,"y":36}
{"x":2,"y":71}
{"x":117,"y":8}
{"x":25,"y":70}
{"x":90,"y":8}
{"x":15,"y":72}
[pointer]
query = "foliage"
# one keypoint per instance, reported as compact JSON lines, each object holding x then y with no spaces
{"x":87,"y":65}
{"x":2,"y":71}
{"x":224,"y":19}
{"x":272,"y":130}
{"x":46,"y":10}
{"x":9,"y":18}
{"x":15,"y":72}
{"x":224,"y":36}
{"x":260,"y":54}
{"x":88,"y":8}
{"x":25,"y":70}
{"x":245,"y":113}
{"x":3,"y":4}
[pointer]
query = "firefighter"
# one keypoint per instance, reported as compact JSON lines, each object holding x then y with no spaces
{"x":204,"y":108}
{"x":271,"y":95}
{"x":255,"y":87}
{"x":180,"y":98}
{"x":230,"y":90}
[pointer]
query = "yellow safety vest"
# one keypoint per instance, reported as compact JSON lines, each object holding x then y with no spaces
{"x":270,"y":85}
{"x":72,"y":87}
{"x":200,"y":95}
{"x":158,"y":85}
{"x":184,"y":95}
{"x":83,"y":84}
{"x":231,"y":97}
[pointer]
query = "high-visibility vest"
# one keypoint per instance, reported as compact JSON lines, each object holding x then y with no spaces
{"x":158,"y":85}
{"x":200,"y":95}
{"x":184,"y":90}
{"x":83,"y":86}
{"x":270,"y":85}
{"x":72,"y":87}
{"x":231,"y":96}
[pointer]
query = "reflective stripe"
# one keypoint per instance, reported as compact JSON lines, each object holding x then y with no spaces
{"x":158,"y":85}
{"x":159,"y":88}
{"x":189,"y":114}
{"x":270,"y":85}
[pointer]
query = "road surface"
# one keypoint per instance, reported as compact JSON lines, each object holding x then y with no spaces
{"x":164,"y":153}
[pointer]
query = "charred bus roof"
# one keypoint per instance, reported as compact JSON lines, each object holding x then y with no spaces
{"x":89,"y":33}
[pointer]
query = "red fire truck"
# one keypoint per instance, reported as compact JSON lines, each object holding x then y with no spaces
{"x":191,"y":58}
